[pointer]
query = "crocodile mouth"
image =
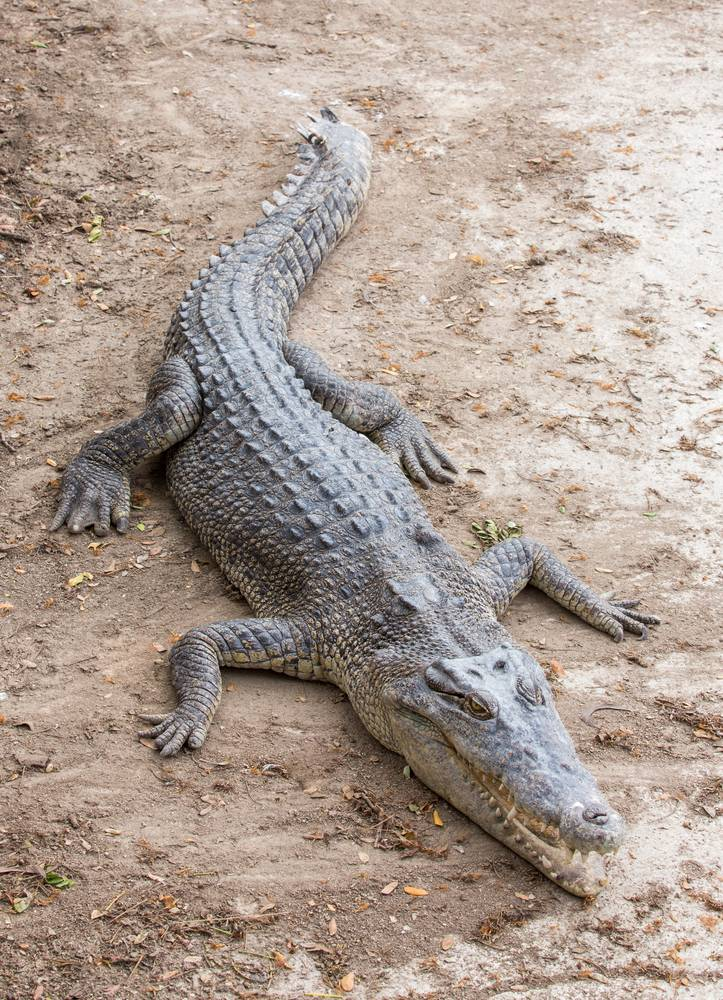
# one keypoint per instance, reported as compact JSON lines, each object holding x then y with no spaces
{"x":571,"y":865}
{"x":568,"y":862}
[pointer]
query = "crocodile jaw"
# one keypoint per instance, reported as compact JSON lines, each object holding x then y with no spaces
{"x":578,"y":871}
{"x":491,"y":805}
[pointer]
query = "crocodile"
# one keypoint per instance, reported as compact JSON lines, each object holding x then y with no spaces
{"x":299,"y":483}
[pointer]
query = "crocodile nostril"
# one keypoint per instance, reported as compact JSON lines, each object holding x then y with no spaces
{"x":596,"y":814}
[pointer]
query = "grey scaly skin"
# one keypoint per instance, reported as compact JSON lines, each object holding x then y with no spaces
{"x":291,"y":477}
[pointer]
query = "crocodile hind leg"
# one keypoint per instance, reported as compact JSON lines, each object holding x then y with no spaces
{"x":371,"y":409}
{"x":96,"y":484}
{"x":510,"y":565}
{"x":196,"y":659}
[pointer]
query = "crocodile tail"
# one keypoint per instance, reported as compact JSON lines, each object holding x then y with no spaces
{"x":313,"y":210}
{"x":333,"y":155}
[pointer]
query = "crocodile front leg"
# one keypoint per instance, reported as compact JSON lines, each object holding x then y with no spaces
{"x":510,"y":565}
{"x":371,"y":409}
{"x":96,"y":484}
{"x":259,"y":643}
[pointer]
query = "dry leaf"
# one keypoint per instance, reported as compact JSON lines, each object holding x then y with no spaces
{"x":446,"y":942}
{"x":195,"y":568}
{"x":389,"y":888}
{"x":438,"y":821}
{"x":557,"y":668}
{"x":413,"y":890}
{"x":346,"y":983}
{"x":377,"y":279}
{"x":363,"y":857}
{"x":332,"y":927}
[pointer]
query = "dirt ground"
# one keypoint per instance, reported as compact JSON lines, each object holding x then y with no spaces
{"x":537,"y":275}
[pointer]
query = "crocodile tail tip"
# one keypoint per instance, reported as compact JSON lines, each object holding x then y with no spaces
{"x":309,"y":134}
{"x":326,"y":113}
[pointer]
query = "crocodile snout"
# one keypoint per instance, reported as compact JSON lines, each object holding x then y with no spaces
{"x":592,"y":826}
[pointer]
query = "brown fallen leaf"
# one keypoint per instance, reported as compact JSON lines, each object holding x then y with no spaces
{"x":437,"y":819}
{"x":413,"y":890}
{"x":346,"y":983}
{"x":389,"y":888}
{"x":331,"y":927}
{"x":557,"y":668}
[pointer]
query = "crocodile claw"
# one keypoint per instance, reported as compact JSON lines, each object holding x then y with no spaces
{"x":619,"y":618}
{"x":93,"y":494}
{"x":170,"y":732}
{"x":406,"y":440}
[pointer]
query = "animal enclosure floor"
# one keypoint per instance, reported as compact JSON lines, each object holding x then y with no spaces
{"x":537,"y":276}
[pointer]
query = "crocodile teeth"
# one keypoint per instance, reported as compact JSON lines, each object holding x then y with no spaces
{"x":518,"y":838}
{"x":546,"y":863}
{"x":267,"y":208}
{"x":498,"y":813}
{"x":279,"y":198}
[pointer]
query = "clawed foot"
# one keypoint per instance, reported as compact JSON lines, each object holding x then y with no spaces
{"x":93,"y":494}
{"x":170,"y":732}
{"x":619,"y":618}
{"x":406,"y":440}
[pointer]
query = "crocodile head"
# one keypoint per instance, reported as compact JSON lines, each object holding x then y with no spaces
{"x":483,"y":732}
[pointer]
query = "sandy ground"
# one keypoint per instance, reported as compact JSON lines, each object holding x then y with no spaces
{"x":537,"y":275}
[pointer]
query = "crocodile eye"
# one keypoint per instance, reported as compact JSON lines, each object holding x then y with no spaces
{"x":532,"y":694}
{"x":478,"y":708}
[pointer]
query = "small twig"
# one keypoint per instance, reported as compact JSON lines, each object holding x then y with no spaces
{"x":10,"y":447}
{"x":587,"y":716}
{"x":633,"y":394}
{"x":14,"y":237}
{"x":248,"y":41}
